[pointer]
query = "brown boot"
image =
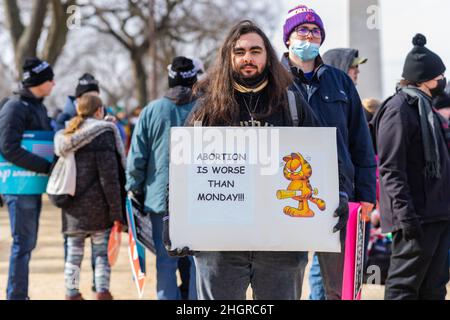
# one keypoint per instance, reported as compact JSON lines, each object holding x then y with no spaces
{"x":75,"y":298}
{"x":104,"y":296}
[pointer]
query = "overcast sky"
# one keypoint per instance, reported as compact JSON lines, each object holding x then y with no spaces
{"x":400,"y":21}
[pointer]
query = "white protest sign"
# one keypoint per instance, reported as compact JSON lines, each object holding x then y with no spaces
{"x":254,"y":189}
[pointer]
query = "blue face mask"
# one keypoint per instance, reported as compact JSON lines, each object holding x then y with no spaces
{"x":305,"y":50}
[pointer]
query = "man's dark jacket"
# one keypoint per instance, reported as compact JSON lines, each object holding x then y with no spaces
{"x":405,"y":193}
{"x":336,"y":103}
{"x":23,"y":112}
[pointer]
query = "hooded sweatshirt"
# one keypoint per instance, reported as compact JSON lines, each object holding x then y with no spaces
{"x":340,"y":58}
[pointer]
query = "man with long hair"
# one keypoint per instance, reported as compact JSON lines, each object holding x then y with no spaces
{"x":248,"y":87}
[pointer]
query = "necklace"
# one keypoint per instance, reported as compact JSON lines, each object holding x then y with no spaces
{"x":251,"y":112}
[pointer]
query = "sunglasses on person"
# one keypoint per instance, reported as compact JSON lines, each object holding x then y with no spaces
{"x":304,"y":32}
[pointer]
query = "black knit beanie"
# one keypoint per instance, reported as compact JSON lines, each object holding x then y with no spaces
{"x":422,"y":64}
{"x":87,"y":83}
{"x":36,"y":72}
{"x":182,"y":72}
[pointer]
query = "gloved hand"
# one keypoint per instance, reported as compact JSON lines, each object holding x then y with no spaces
{"x":342,"y":213}
{"x":168,"y":244}
{"x":411,"y":229}
{"x":138,"y":199}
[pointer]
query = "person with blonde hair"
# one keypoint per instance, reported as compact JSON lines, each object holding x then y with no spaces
{"x":98,"y":202}
{"x":371,"y":106}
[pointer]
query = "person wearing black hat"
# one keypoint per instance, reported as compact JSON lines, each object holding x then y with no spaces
{"x":148,"y":167}
{"x":22,"y":112}
{"x":415,"y":179}
{"x":87,"y":84}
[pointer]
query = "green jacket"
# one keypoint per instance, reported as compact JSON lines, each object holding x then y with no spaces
{"x":148,"y":160}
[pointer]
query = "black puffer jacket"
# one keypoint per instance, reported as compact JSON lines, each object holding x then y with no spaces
{"x":98,"y":198}
{"x":405,"y":193}
{"x":23,"y":112}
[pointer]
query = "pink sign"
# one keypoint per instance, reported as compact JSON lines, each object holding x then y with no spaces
{"x":354,"y":254}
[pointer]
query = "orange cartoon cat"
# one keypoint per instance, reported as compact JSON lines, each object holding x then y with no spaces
{"x":299,"y":171}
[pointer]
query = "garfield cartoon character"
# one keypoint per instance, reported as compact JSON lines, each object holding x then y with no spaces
{"x":299,"y":171}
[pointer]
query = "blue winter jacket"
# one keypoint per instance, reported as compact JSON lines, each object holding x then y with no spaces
{"x":148,"y":160}
{"x":23,"y":112}
{"x":336,"y":103}
{"x":68,"y":113}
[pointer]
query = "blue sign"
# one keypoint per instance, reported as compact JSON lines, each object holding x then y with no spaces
{"x":16,"y":180}
{"x":132,"y":228}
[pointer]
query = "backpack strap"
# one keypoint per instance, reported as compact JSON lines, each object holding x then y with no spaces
{"x":293,"y":108}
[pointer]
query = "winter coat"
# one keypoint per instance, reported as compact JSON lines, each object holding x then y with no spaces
{"x":405,"y":193}
{"x":23,"y":112}
{"x":148,"y":159}
{"x":100,"y":164}
{"x":336,"y":103}
{"x":68,"y":113}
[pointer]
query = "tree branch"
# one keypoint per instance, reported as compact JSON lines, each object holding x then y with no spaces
{"x":58,"y":31}
{"x":16,"y":27}
{"x":28,"y":41}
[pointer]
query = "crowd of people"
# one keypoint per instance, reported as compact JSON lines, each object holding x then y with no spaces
{"x":394,"y":160}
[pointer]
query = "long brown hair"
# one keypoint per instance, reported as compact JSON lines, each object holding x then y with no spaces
{"x":87,"y":107}
{"x":218,"y":105}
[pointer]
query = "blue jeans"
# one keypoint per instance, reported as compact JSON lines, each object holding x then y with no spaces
{"x":332,"y":270}
{"x":315,"y":281}
{"x":24,"y":213}
{"x":166,"y":267}
{"x":272,"y":275}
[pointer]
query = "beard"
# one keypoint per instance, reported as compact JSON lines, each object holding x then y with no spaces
{"x":252,"y":81}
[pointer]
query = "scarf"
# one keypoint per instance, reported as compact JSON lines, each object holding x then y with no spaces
{"x":243,"y":89}
{"x":89,"y":130}
{"x":429,"y":125}
{"x":251,"y":85}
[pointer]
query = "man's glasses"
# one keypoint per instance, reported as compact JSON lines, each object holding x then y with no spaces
{"x":304,"y":32}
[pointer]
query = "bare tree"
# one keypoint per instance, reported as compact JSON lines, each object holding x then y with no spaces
{"x":100,"y":55}
{"x":165,"y":26}
{"x":25,"y":38}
